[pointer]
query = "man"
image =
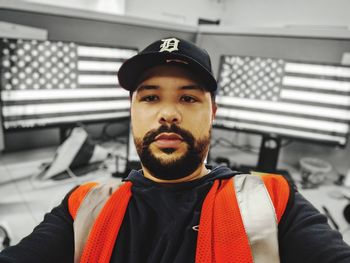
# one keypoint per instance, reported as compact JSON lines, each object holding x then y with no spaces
{"x":176,"y":209}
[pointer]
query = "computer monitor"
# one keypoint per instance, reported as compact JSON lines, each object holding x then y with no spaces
{"x":278,"y":98}
{"x":56,"y":83}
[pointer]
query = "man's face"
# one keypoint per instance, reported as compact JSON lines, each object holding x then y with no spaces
{"x":171,"y":117}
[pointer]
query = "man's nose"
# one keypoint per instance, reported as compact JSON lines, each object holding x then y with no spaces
{"x":169,"y":115}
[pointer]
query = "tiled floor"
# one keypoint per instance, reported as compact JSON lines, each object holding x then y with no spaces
{"x":24,"y":199}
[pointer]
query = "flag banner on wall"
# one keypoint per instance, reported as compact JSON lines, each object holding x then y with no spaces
{"x":292,"y":99}
{"x":51,"y":83}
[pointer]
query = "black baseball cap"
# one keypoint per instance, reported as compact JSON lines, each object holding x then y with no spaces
{"x":168,"y":50}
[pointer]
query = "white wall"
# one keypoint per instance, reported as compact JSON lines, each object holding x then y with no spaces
{"x":177,"y":11}
{"x":106,"y":6}
{"x":287,"y":12}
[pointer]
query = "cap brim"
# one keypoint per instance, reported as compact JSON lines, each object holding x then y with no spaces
{"x":131,"y":70}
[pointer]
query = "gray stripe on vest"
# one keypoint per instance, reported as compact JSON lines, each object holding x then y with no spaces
{"x":259,"y":217}
{"x":87,"y":213}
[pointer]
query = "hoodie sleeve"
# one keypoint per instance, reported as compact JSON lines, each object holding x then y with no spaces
{"x":306,"y":237}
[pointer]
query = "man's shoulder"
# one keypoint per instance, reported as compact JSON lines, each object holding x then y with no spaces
{"x":100,"y":190}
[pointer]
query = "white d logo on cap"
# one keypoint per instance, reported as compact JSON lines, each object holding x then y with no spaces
{"x":169,"y":44}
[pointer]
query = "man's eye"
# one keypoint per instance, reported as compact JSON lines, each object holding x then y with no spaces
{"x":150,"y":98}
{"x":188,"y":99}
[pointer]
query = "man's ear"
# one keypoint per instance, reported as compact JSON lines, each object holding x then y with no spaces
{"x":214,"y":109}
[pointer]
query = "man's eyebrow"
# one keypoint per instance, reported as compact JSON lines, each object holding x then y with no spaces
{"x":193,"y":87}
{"x":186,"y":87}
{"x":147,"y":87}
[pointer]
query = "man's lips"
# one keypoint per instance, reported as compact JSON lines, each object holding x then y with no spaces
{"x":168,"y":140}
{"x":168,"y":136}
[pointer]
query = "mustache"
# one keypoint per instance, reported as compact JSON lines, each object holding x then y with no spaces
{"x":152,"y":134}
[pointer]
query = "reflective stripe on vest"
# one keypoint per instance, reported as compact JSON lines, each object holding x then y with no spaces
{"x":87,"y":213}
{"x":259,"y":218}
{"x":257,"y":199}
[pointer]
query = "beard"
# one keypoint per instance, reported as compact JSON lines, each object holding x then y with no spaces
{"x":172,"y":168}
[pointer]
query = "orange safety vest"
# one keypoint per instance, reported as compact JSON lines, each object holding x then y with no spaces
{"x":229,"y":231}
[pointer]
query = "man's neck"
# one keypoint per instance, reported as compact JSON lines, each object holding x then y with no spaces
{"x":198,"y":173}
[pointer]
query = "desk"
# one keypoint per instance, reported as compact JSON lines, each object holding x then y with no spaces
{"x":322,"y":196}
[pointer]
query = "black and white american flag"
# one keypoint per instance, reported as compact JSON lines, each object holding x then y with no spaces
{"x":292,"y":99}
{"x":50,"y":83}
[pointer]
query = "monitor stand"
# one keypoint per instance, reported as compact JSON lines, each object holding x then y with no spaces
{"x":268,"y":158}
{"x":268,"y":155}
